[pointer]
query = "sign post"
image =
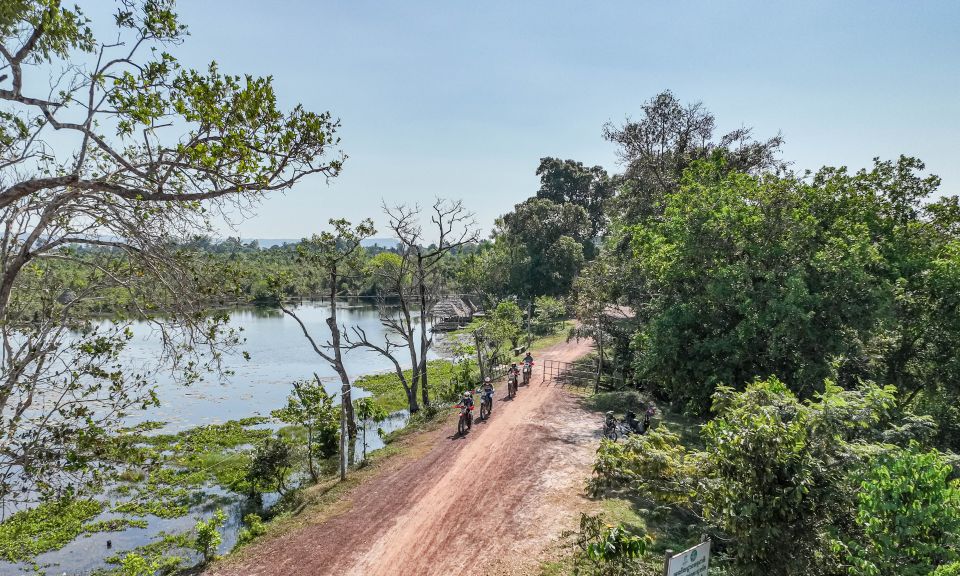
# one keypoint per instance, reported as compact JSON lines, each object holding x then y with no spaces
{"x":691,"y":562}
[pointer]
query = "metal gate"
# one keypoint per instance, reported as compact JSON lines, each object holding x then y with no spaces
{"x":576,"y":374}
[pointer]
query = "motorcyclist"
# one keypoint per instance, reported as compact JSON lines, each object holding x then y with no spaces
{"x":467,"y":399}
{"x":633,"y":423}
{"x":513,"y":372}
{"x":486,"y":392}
{"x":528,"y":360}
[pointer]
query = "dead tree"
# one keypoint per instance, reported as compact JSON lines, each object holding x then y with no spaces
{"x":411,"y":285}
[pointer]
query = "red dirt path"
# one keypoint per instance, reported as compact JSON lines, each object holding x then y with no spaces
{"x":489,"y":503}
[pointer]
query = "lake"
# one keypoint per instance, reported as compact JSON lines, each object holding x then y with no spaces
{"x":279,"y":354}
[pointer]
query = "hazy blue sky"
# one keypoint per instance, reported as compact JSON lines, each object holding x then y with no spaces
{"x":460,"y":99}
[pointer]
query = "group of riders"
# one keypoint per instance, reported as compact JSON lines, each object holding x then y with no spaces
{"x":514,"y":373}
{"x":612,"y":427}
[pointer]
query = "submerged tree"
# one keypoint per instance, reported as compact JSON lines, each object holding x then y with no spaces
{"x":126,"y":153}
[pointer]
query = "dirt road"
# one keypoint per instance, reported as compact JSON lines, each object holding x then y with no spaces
{"x":489,"y":503}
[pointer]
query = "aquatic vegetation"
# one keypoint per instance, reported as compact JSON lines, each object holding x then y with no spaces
{"x":49,"y":526}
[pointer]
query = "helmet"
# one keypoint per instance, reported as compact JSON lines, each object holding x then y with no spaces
{"x":610,"y":413}
{"x":513,"y":363}
{"x":487,"y":380}
{"x":467,"y":394}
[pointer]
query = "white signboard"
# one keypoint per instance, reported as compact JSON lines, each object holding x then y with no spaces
{"x":692,"y":562}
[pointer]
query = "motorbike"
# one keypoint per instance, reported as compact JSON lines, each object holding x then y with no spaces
{"x":527,"y":372}
{"x":486,"y":403}
{"x":512,"y":386}
{"x":614,"y":429}
{"x":466,"y":418}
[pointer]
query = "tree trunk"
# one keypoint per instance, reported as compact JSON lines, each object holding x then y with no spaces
{"x":596,"y":384}
{"x":483,"y":371}
{"x":343,"y":443}
{"x":345,"y":397}
{"x":424,"y":343}
{"x":313,"y":470}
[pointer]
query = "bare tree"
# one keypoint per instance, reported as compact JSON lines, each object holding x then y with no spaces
{"x":411,"y":285}
{"x":100,"y":176}
{"x":336,"y":253}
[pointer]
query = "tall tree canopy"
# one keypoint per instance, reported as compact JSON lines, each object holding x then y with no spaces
{"x":568,"y":181}
{"x":656,"y":149}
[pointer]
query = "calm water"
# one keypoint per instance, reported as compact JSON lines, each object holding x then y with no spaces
{"x":279,"y":354}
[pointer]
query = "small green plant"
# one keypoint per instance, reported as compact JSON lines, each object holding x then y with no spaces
{"x":368,"y":410}
{"x":270,"y":466}
{"x":208,"y":538}
{"x":254,"y":527}
{"x":605,"y":550}
{"x":134,"y":564}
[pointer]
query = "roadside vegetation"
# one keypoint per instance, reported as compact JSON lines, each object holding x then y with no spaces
{"x":798,"y":331}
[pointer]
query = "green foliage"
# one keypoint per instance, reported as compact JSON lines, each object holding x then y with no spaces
{"x":270,"y":466}
{"x":907,"y":518}
{"x":48,"y":526}
{"x":838,"y":276}
{"x":253,"y":528}
{"x":548,"y":312}
{"x":312,"y":407}
{"x":208,"y":539}
{"x":568,"y":181}
{"x":605,"y":550}
{"x":775,"y":469}
{"x":388,"y":391}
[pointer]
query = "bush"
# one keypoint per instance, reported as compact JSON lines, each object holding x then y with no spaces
{"x":270,"y":466}
{"x":605,"y":550}
{"x":208,"y":538}
{"x":908,"y":515}
{"x":253,"y":529}
{"x":618,"y":401}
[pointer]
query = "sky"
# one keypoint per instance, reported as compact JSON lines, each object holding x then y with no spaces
{"x":461,"y":99}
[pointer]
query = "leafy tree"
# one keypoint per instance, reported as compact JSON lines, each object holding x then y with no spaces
{"x":335,"y":254}
{"x":563,"y":181}
{"x":270,"y":466}
{"x":544,"y":244}
{"x":670,"y":136}
{"x":151,"y":151}
{"x":548,"y":311}
{"x":311,"y":407}
{"x":807,"y":279}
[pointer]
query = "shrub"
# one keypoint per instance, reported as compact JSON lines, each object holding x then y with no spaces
{"x":208,"y":538}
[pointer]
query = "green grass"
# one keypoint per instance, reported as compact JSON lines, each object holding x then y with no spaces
{"x":388,"y":391}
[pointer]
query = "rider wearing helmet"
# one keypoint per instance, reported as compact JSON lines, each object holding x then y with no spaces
{"x":467,"y":399}
{"x":486,"y":391}
{"x":528,"y":359}
{"x":513,"y":372}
